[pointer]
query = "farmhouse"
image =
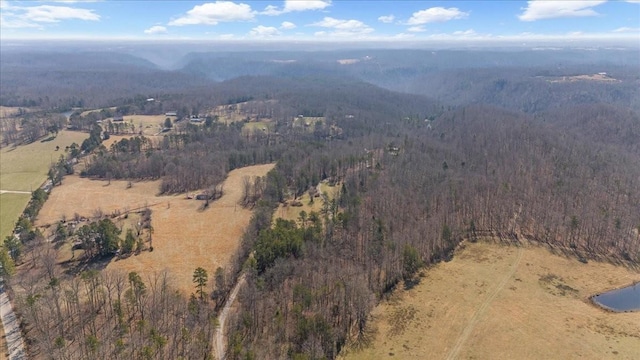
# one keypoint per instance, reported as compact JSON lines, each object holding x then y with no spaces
{"x":171,"y":113}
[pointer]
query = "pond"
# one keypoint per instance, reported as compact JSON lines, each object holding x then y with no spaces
{"x":620,"y":300}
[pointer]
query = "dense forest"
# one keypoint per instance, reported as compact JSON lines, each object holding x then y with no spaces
{"x":493,"y":148}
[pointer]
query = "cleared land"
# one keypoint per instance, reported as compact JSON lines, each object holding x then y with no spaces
{"x":289,"y":212}
{"x":24,"y":168}
{"x":258,"y":126}
{"x":504,"y":302}
{"x":11,"y":206}
{"x":6,"y":111}
{"x":185,"y":236}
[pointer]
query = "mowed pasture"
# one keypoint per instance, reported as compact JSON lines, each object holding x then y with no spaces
{"x":253,"y":127}
{"x":11,"y":206}
{"x":148,"y":124}
{"x":185,"y":236}
{"x":24,"y":169}
{"x":505,"y":302}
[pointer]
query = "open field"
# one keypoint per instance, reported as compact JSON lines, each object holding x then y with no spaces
{"x":149,"y":124}
{"x":185,"y":236}
{"x":241,"y":111}
{"x":87,"y":112}
{"x":11,"y":206}
{"x":289,"y":212}
{"x":24,"y":168}
{"x":258,"y":126}
{"x":506,"y":302}
{"x":6,"y":111}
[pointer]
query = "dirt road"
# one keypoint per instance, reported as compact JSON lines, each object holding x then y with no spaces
{"x":219,"y":336}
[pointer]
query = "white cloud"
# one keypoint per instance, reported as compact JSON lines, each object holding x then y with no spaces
{"x":264,"y":31}
{"x":287,"y":25}
{"x":51,"y":14}
{"x":386,"y":19}
{"x":634,"y":1}
{"x":537,"y":9}
{"x":436,"y":14}
{"x":626,"y":29}
{"x":344,"y":27}
{"x":214,"y":13}
{"x":469,"y":32}
{"x":304,"y":5}
{"x":417,"y":29}
{"x":14,"y":16}
{"x":154,"y":30}
{"x":70,"y":1}
{"x":296,"y":5}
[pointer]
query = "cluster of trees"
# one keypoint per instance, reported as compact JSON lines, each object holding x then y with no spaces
{"x":112,"y":315}
{"x":28,"y":127}
{"x":476,"y":171}
{"x":24,"y":234}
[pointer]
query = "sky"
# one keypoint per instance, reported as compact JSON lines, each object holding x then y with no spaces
{"x":320,"y":20}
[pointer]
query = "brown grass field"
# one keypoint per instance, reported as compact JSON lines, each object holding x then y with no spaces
{"x":6,"y":111}
{"x":257,"y":127}
{"x":185,"y":236}
{"x":149,"y":124}
{"x":289,"y":212}
{"x":505,"y":302}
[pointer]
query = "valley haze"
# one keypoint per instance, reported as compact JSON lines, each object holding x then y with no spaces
{"x":318,"y":179}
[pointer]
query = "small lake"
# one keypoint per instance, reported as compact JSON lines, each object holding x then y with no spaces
{"x":620,"y":300}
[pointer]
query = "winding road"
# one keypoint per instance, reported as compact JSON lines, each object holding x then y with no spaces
{"x":218,"y":336}
{"x":453,"y":354}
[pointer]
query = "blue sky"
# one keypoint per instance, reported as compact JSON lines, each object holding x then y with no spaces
{"x":320,"y":20}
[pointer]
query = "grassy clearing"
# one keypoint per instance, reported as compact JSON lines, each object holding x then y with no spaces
{"x":148,"y":124}
{"x":307,"y":121}
{"x":11,"y":206}
{"x":87,"y":112}
{"x":6,"y":111}
{"x":289,"y":212}
{"x":25,"y":167}
{"x":257,"y":126}
{"x":542,"y":311}
{"x":185,"y":236}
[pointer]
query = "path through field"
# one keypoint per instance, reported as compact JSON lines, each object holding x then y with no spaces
{"x":14,"y":192}
{"x":13,"y":336}
{"x":453,"y":354}
{"x":219,"y":337}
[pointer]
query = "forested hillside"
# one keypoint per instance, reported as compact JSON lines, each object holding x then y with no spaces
{"x":514,"y":145}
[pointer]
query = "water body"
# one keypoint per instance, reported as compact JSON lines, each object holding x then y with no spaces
{"x":620,"y":300}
